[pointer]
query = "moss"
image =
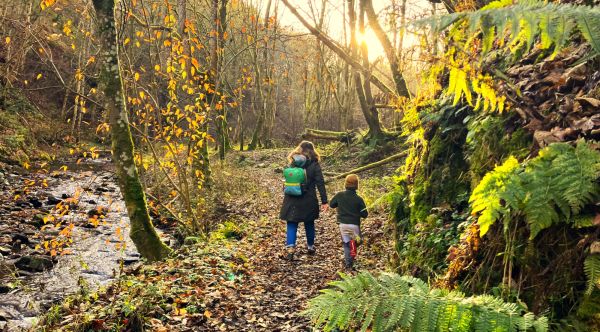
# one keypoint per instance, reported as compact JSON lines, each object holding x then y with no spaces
{"x":490,"y":140}
{"x":442,"y":179}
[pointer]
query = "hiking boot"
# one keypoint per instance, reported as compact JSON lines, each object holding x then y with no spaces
{"x":289,"y":254}
{"x":311,"y":251}
{"x":349,"y":267}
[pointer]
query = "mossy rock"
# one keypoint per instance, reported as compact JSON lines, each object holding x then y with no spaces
{"x":34,"y":263}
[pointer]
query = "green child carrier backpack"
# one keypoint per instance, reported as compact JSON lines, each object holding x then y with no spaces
{"x":295,"y":177}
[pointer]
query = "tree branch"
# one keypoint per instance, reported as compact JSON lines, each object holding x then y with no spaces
{"x":336,"y":48}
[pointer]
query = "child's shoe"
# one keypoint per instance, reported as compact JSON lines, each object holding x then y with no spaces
{"x":311,"y":251}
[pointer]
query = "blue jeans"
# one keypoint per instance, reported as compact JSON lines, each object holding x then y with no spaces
{"x":292,"y":229}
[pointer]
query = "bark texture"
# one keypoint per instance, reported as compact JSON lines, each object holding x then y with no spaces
{"x":142,"y":231}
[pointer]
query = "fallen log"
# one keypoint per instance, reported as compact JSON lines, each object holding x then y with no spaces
{"x":331,"y":173}
{"x":368,"y":166}
{"x":342,"y":136}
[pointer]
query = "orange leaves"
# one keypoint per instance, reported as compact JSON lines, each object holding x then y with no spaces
{"x":102,"y":128}
{"x":195,"y":63}
{"x":45,"y":4}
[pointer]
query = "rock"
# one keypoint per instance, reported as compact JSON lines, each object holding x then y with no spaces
{"x":37,"y":220}
{"x":22,"y":204}
{"x":22,"y":238}
{"x":35,"y":202}
{"x":36,"y":263}
{"x":130,"y":260}
{"x":191,"y":240}
{"x":51,"y":200}
{"x":6,"y":269}
{"x":4,"y":251}
{"x":98,"y":211}
{"x":5,"y":289}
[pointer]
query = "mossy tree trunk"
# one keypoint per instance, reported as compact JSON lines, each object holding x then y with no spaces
{"x":142,"y":231}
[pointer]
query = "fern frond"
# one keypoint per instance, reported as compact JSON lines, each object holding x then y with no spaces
{"x":528,"y":19}
{"x":497,"y":186}
{"x":391,"y":302}
{"x":591,"y":267}
{"x":548,"y":189}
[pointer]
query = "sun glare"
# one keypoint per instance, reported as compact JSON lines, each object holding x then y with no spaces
{"x":373,"y":45}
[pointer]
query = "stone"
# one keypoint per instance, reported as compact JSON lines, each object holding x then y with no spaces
{"x":22,"y":238}
{"x":130,"y":260}
{"x":51,"y":200}
{"x":35,"y":202}
{"x":5,"y":289}
{"x":98,"y":211}
{"x":6,"y":268}
{"x":191,"y":240}
{"x":4,"y":251}
{"x":37,"y":220}
{"x":101,"y":190}
{"x":35,"y":263}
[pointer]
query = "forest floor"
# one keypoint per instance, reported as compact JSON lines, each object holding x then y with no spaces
{"x":237,"y":280}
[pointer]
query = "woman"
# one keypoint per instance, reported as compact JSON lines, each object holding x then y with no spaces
{"x":305,"y":208}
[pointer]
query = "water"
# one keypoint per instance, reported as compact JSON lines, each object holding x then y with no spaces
{"x":97,"y":253}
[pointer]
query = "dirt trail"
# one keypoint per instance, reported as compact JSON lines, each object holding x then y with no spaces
{"x":229,"y":284}
{"x":275,"y":293}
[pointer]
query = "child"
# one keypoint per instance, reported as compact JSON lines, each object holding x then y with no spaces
{"x":350,"y":208}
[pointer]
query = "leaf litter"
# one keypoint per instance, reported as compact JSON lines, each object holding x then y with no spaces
{"x":227,"y":283}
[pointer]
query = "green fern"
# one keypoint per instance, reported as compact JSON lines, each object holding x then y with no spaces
{"x":591,"y":267}
{"x":548,"y":189}
{"x":497,"y":194}
{"x":527,"y":20}
{"x":391,"y":302}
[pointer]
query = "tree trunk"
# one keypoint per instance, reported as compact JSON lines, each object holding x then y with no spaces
{"x":337,"y":49}
{"x":390,"y":53}
{"x":142,"y":231}
{"x":259,"y":93}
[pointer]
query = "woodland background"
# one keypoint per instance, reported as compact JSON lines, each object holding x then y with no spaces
{"x":484,"y":116}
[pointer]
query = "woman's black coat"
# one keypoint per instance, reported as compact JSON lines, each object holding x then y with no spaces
{"x":306,"y":207}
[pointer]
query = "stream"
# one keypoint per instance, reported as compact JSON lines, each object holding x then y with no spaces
{"x":32,"y":281}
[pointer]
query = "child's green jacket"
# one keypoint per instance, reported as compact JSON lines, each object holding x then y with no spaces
{"x":350,"y":207}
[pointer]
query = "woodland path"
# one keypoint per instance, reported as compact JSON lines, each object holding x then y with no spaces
{"x":276,"y":291}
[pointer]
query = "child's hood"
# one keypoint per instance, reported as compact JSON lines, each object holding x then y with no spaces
{"x":299,"y":160}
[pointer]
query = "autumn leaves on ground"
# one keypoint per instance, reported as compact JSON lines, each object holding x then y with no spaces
{"x":235,"y":280}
